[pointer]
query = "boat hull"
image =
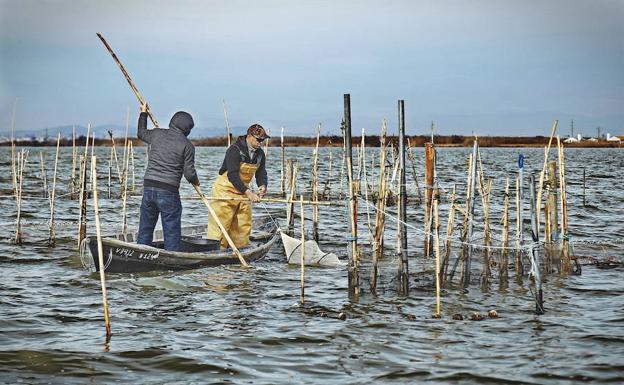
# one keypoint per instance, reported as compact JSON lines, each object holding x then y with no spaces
{"x":122,"y":255}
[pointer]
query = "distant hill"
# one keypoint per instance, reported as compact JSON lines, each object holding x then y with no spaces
{"x":101,"y":131}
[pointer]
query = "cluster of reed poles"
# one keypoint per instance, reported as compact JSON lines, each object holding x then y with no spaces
{"x":494,"y":249}
{"x":80,"y":182}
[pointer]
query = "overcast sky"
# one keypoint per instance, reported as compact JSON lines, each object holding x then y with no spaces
{"x":490,"y":66}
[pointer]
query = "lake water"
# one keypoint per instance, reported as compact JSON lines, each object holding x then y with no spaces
{"x":229,"y":325}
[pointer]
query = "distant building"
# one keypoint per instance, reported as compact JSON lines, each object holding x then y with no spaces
{"x":613,"y":138}
{"x":573,"y":139}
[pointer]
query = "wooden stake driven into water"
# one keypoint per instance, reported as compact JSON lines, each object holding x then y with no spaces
{"x":44,"y":178}
{"x":315,"y":187}
{"x":450,"y":226}
{"x":227,"y":125}
{"x":438,"y":312}
{"x":564,"y":211}
{"x":130,"y":82}
{"x":96,"y":209}
{"x":221,"y":227}
{"x":543,"y":173}
{"x":283,"y":170}
{"x":21,"y":165}
{"x":403,"y":273}
{"x":354,"y":281}
{"x":503,"y":270}
{"x":52,"y":235}
{"x":302,"y":251}
{"x":381,"y":208}
{"x":535,"y":260}
{"x":429,"y":171}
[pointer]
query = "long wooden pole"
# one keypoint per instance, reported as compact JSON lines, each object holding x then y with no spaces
{"x":302,"y":252}
{"x":403,"y":273}
{"x":51,"y":238}
{"x":221,"y":227}
{"x":130,"y":82}
{"x":100,"y":249}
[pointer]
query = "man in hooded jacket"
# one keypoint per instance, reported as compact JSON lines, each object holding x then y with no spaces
{"x":170,"y":155}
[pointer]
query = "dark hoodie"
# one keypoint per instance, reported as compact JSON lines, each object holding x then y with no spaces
{"x":171,"y":154}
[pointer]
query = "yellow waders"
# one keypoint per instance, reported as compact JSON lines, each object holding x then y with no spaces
{"x":234,"y":215}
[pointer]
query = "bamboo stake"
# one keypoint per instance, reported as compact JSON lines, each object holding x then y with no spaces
{"x":110,"y":172}
{"x":125,"y":151}
{"x":290,"y":210}
{"x":266,"y":144}
{"x":564,"y":211}
{"x":100,"y":248}
{"x":13,"y":149}
{"x":72,"y":185}
{"x":44,"y":181}
{"x":221,"y":227}
{"x":450,"y":226}
{"x":553,"y":218}
{"x":132,"y":161}
{"x":355,"y":259}
{"x":114,"y":154}
{"x":381,"y":207}
{"x":315,"y":182}
{"x":438,"y":312}
{"x":283,"y":170}
{"x":327,"y":188}
{"x":504,"y":264}
{"x":535,"y":260}
{"x":542,"y":174}
{"x":14,"y":168}
{"x":302,"y":252}
{"x":227,"y":125}
{"x":519,"y":267}
{"x":485,"y":189}
{"x":429,"y":165}
{"x":82,"y":213}
{"x":410,"y":155}
{"x":130,"y":82}
{"x":124,"y":193}
{"x":23,"y":157}
{"x":52,"y":235}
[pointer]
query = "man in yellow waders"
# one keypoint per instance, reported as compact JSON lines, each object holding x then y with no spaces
{"x":244,"y":159}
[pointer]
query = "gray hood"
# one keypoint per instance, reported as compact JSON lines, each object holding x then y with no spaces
{"x":182,"y":121}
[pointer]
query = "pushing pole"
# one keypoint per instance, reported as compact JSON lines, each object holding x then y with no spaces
{"x":221,"y":227}
{"x":130,"y":82}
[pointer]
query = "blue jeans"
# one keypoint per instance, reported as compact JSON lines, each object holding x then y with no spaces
{"x":166,"y":203}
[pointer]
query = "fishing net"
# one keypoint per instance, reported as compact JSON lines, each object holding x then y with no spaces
{"x":313,"y":255}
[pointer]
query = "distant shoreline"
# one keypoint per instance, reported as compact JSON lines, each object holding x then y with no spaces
{"x":336,"y":141}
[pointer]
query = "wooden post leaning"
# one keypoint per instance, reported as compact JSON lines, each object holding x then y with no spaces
{"x":221,"y":227}
{"x":100,"y":249}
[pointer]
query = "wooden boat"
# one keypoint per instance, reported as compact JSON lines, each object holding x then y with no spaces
{"x":123,"y":255}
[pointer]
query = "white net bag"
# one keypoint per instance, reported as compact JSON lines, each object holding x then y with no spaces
{"x":314,"y":256}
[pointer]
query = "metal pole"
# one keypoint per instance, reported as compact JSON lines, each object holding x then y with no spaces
{"x":403,"y":267}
